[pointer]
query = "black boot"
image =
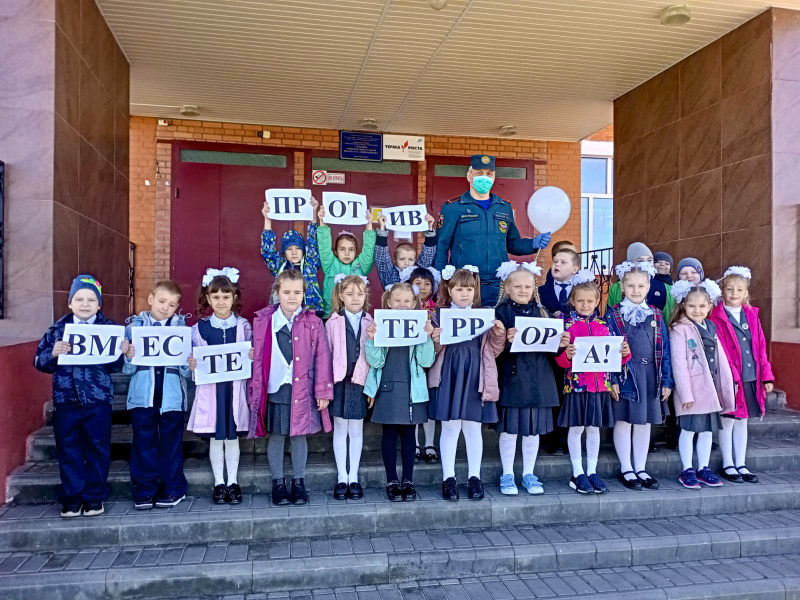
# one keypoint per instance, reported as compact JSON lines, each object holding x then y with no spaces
{"x":280,"y":496}
{"x":299,"y":494}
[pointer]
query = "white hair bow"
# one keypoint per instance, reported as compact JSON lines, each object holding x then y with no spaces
{"x":680,"y":289}
{"x":583,"y":276}
{"x":506,"y":269}
{"x":628,"y":266}
{"x":339,"y":277}
{"x":713,"y":290}
{"x":448,"y":272}
{"x":739,"y":270}
{"x":532,"y":267}
{"x":405,"y":274}
{"x":471,"y":268}
{"x":229,"y":272}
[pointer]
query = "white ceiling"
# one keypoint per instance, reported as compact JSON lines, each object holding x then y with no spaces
{"x":552,"y":68}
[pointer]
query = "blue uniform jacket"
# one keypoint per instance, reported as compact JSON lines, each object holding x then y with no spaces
{"x":547,"y":294}
{"x":81,"y":384}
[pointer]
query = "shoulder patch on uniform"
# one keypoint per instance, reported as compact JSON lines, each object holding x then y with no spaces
{"x":452,"y":200}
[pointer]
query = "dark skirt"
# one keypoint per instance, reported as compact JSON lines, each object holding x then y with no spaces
{"x":349,"y":401}
{"x":279,"y":410}
{"x":700,"y":423}
{"x":226,"y":425}
{"x":751,"y":401}
{"x":587,"y":409}
{"x":651,"y":411}
{"x":393,"y":405}
{"x":471,"y":410}
{"x":524,"y":421}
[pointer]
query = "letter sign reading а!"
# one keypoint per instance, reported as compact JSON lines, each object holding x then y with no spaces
{"x":600,"y":354}
{"x":92,"y":344}
{"x":289,"y":205}
{"x":342,"y":208}
{"x":400,"y":327}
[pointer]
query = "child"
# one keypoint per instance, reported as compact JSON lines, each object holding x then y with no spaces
{"x":292,"y":383}
{"x":703,"y":378}
{"x":691,"y":270}
{"x":293,"y":256}
{"x":645,"y":382}
{"x":528,"y":389}
{"x":463,"y":382}
{"x":740,"y":332}
{"x":341,"y":257}
{"x":658,"y":294}
{"x":398,"y":390}
{"x":588,"y":396}
{"x":663,"y":264}
{"x":405,"y":254}
{"x":555,"y":295}
{"x":220,"y":411}
{"x":347,"y":339}
{"x":157,"y":401}
{"x":82,"y":399}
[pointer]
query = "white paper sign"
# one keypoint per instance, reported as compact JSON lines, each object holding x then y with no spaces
{"x":598,"y":354}
{"x":92,"y":344}
{"x":537,"y":335}
{"x":223,"y":362}
{"x":342,"y":208}
{"x":155,"y":346}
{"x":289,"y":204}
{"x":406,"y":219}
{"x":403,"y":147}
{"x":400,"y":327}
{"x":462,"y":324}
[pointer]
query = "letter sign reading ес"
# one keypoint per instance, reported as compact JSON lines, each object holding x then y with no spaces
{"x":400,"y":328}
{"x":537,"y":335}
{"x":289,"y":205}
{"x":342,"y":208}
{"x":92,"y":344}
{"x":161,"y":346}
{"x":462,"y":324}
{"x":224,"y":362}
{"x":598,"y":354}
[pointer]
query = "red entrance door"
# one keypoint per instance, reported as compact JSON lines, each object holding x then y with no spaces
{"x":217,"y":195}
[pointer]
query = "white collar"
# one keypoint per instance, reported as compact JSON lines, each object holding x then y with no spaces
{"x":735,"y":311}
{"x":279,"y":319}
{"x":558,"y":284}
{"x":454,"y":305}
{"x":635,"y":314}
{"x":218,"y":323}
{"x":89,"y":321}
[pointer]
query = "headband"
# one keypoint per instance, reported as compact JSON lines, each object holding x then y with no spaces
{"x":414,"y":287}
{"x":229,"y":272}
{"x":508,"y":267}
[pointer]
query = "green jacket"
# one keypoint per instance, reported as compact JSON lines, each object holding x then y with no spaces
{"x":421,"y":357}
{"x":332,"y":266}
{"x":615,"y":297}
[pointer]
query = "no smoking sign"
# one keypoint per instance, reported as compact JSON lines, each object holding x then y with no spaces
{"x":319,"y":177}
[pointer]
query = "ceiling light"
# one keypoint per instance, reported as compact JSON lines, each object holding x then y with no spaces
{"x":676,"y":14}
{"x":189,"y":110}
{"x":438,"y":4}
{"x":508,"y":130}
{"x":369,"y":123}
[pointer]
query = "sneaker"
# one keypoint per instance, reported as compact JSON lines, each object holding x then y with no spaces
{"x":218,"y":497}
{"x":598,"y":484}
{"x":394,"y":492}
{"x":475,"y":488}
{"x":68,"y":512}
{"x":92,"y":509}
{"x":507,"y":485}
{"x":450,"y":489}
{"x":168,"y":500}
{"x":581,"y":484}
{"x":143,"y":503}
{"x":233,"y":494}
{"x":532,"y":484}
{"x":409,"y":491}
{"x":707,"y":477}
{"x":688,"y":479}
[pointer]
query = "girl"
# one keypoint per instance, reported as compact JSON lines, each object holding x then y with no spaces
{"x":740,"y":332}
{"x":341,"y":256}
{"x":292,"y":382}
{"x":463,"y":380}
{"x":528,"y":389}
{"x":397,"y":388}
{"x":347,"y":339}
{"x":426,"y":281}
{"x":220,"y":410}
{"x":645,"y":382}
{"x":587,"y":396}
{"x":703,"y":378}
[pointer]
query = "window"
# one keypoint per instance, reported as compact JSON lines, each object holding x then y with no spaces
{"x":597,"y":202}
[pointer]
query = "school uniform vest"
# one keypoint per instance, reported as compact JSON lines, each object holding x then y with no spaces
{"x":708,"y":336}
{"x":353,"y":346}
{"x":745,"y":338}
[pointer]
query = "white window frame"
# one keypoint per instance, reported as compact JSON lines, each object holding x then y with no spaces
{"x":592,"y":149}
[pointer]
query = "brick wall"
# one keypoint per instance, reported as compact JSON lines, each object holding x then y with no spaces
{"x":604,"y":135}
{"x":151,"y":144}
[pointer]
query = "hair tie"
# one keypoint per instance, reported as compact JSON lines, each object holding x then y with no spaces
{"x":405,"y":274}
{"x":740,"y":271}
{"x":437,"y":277}
{"x":415,"y":287}
{"x":680,"y":289}
{"x":338,"y":278}
{"x":711,"y":287}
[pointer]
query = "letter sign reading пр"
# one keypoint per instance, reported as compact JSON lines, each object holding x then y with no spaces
{"x":400,"y":328}
{"x":92,"y":344}
{"x":289,"y":204}
{"x":342,"y":208}
{"x":537,"y":335}
{"x":598,"y":354}
{"x":224,"y":362}
{"x":161,"y":346}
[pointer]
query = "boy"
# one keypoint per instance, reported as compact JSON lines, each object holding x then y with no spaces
{"x":658,"y":295}
{"x":157,"y":401}
{"x":663,"y":264}
{"x":404,"y":255}
{"x":294,"y":254}
{"x":555,"y":294}
{"x":82,"y":399}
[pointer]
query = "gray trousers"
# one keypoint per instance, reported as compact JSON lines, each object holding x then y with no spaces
{"x":298,"y":448}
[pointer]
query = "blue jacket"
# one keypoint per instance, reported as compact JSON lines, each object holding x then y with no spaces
{"x":140,"y":390}
{"x":547,"y":294}
{"x":78,"y":384}
{"x":276,"y":263}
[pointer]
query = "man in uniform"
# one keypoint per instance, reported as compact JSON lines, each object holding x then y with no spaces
{"x":477,"y":228}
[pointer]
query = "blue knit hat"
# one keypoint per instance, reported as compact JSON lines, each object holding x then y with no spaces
{"x":86,"y":282}
{"x":292,"y":238}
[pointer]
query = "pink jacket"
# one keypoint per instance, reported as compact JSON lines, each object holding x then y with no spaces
{"x":313,"y":373}
{"x":693,"y":380}
{"x":337,"y":341}
{"x":730,"y":344}
{"x":203,"y":418}
{"x":584,"y":382}
{"x":491,"y":347}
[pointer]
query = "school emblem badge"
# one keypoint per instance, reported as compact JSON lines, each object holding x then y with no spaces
{"x":503,"y":226}
{"x":440,"y":222}
{"x":485,"y":159}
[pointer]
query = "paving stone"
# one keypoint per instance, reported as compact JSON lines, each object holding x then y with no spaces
{"x":498,"y":590}
{"x":81,"y":560}
{"x":193,"y":555}
{"x":104,"y":559}
{"x":34,"y":563}
{"x":538,"y":587}
{"x":558,"y":586}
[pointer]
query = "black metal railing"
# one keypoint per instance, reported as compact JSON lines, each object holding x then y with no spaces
{"x":131,"y":276}
{"x":601,"y":263}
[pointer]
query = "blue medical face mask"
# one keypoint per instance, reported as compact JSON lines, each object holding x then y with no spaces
{"x":482,"y":183}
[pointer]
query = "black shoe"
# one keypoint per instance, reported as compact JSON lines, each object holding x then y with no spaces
{"x":340,"y":491}
{"x":69,"y":512}
{"x":654,"y":448}
{"x":431,"y":456}
{"x":648,"y":483}
{"x":409,"y":491}
{"x":733,"y":477}
{"x":168,"y":500}
{"x":219,"y":494}
{"x":299,"y":493}
{"x":631,"y":484}
{"x":747,"y":477}
{"x":475,"y":488}
{"x":92,"y":509}
{"x":280,"y":495}
{"x":671,"y":444}
{"x":143,"y":503}
{"x":233,"y":495}
{"x":418,"y":454}
{"x":450,"y":489}
{"x":355,"y":491}
{"x":394,"y":492}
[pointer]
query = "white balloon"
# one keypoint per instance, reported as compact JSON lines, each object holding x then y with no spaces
{"x":549,"y":209}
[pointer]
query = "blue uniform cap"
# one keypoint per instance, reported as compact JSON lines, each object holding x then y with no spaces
{"x":481,"y":161}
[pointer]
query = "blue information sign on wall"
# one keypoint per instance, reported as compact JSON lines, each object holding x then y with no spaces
{"x":356,"y":145}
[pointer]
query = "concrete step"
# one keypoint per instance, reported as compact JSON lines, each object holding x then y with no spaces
{"x":702,"y":552}
{"x":35,"y":482}
{"x":39,"y":527}
{"x":119,"y":411}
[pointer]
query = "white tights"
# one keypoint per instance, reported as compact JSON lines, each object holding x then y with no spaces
{"x":342,"y":428}
{"x":224,"y":453}
{"x":733,"y":439}
{"x":640,"y":435}
{"x":592,"y":449}
{"x":448,"y":442}
{"x":429,"y":427}
{"x":703,"y":448}
{"x":508,"y":449}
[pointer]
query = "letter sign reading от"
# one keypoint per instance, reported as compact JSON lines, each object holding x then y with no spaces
{"x":92,"y":344}
{"x":400,"y":327}
{"x":342,"y":208}
{"x":223,"y":362}
{"x":289,"y":204}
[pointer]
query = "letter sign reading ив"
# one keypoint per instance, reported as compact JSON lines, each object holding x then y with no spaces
{"x":407,"y":218}
{"x":289,"y":204}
